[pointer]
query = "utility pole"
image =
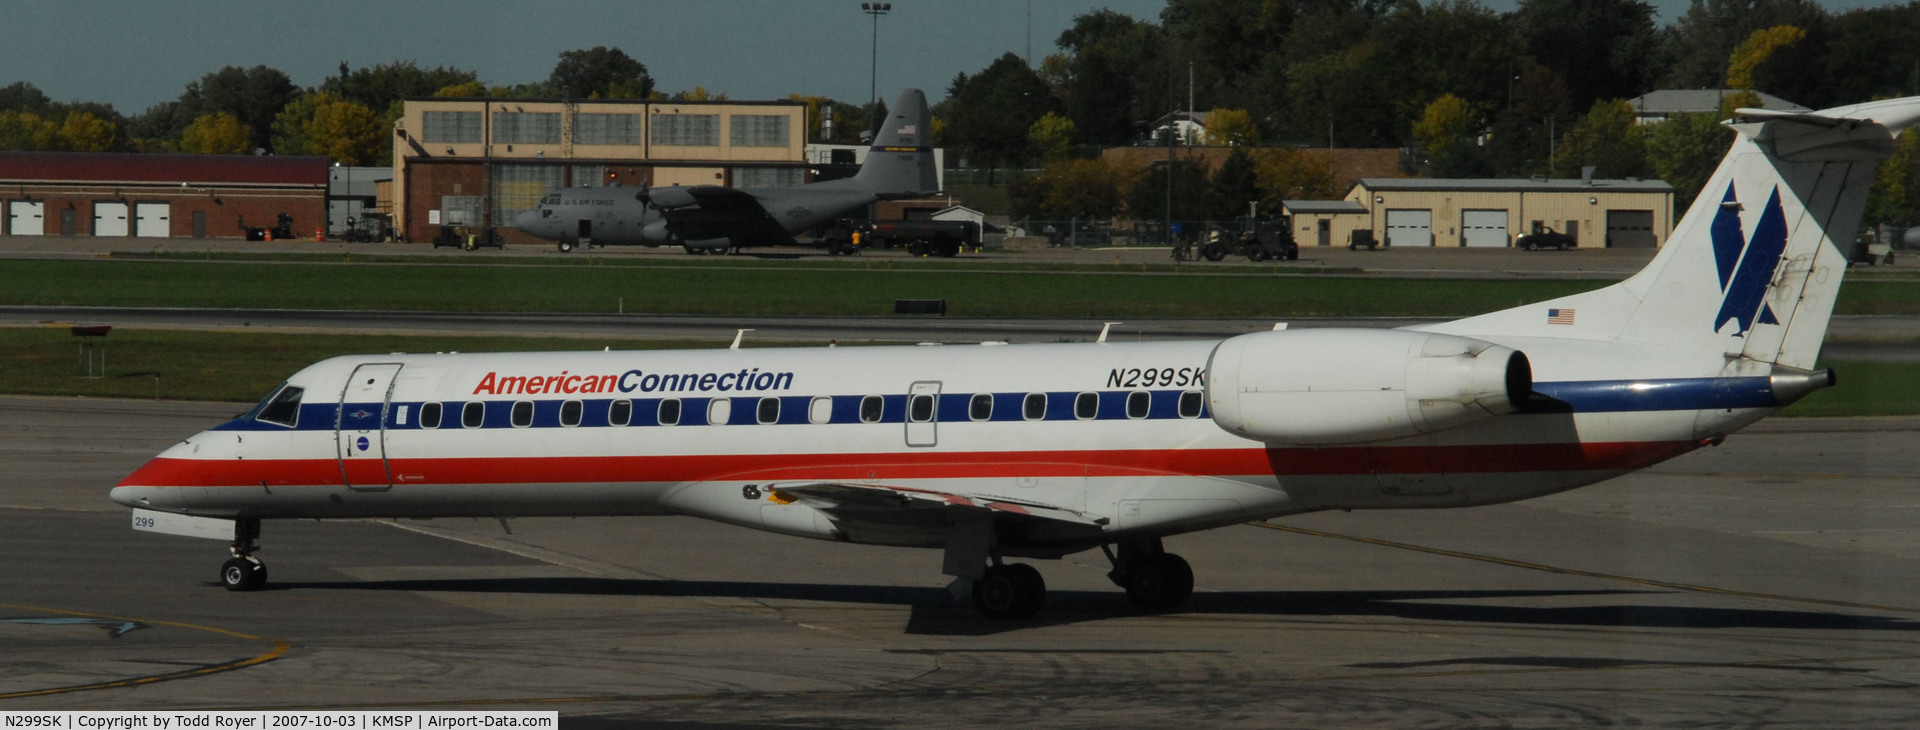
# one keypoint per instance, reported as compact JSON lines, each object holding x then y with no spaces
{"x":873,"y":83}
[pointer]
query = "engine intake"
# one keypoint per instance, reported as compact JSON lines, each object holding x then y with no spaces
{"x":1343,"y":386}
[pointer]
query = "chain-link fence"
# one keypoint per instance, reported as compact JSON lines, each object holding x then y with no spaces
{"x":1083,"y":233}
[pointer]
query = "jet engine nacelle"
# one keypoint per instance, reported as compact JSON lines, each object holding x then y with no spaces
{"x":1340,"y":386}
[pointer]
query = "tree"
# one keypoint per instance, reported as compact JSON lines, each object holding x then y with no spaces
{"x":1871,"y":54}
{"x":1604,"y":49}
{"x":1445,"y":134}
{"x":381,"y":86}
{"x":1756,"y":50}
{"x":1147,"y":196}
{"x":219,"y":133}
{"x":1231,"y":127}
{"x":1235,"y":184}
{"x":27,"y":131}
{"x":1895,"y":196}
{"x":21,"y":96}
{"x":1606,"y":138}
{"x":462,"y":90}
{"x":84,"y":132}
{"x":1113,"y":58}
{"x":1070,"y":190}
{"x":254,"y":96}
{"x":1051,"y":137}
{"x":323,"y":124}
{"x":600,"y":73}
{"x":1685,"y":149}
{"x":698,"y":93}
{"x":1286,"y":174}
{"x":1704,"y":37}
{"x":988,"y":115}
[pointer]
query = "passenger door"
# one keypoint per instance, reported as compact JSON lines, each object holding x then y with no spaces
{"x":361,"y":426}
{"x":923,"y":413}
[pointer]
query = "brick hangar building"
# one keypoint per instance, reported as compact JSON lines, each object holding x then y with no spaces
{"x":158,"y":196}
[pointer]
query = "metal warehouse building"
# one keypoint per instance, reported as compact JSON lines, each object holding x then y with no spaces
{"x":480,"y":162}
{"x":1626,"y":213}
{"x":157,"y":196}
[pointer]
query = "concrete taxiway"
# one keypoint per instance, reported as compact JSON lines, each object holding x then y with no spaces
{"x":1769,"y":581}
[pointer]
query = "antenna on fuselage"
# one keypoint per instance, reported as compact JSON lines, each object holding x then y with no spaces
{"x":1104,"y":329}
{"x":738,"y":335}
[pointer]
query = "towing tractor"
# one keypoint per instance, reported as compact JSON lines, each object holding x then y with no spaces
{"x":1258,"y":240}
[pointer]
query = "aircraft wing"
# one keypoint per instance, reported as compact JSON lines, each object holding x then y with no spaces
{"x":871,"y":498}
{"x":704,"y":212}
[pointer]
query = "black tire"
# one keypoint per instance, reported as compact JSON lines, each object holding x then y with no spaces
{"x":1213,"y":252}
{"x":1566,"y":246}
{"x":243,"y":574}
{"x":1009,"y":591}
{"x":1160,"y":583}
{"x":566,"y":247}
{"x":1256,"y":254}
{"x":1293,"y":255}
{"x":949,"y":249}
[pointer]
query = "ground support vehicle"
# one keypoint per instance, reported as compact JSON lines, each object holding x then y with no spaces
{"x":1258,"y":241}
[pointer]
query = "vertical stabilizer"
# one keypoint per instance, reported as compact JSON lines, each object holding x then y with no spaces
{"x":900,"y":163}
{"x":1753,"y":268}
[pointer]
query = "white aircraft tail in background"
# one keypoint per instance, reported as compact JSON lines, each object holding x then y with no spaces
{"x":1038,"y":451}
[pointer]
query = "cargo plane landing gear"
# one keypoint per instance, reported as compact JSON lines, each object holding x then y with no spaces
{"x":244,"y":572}
{"x":1155,"y":579}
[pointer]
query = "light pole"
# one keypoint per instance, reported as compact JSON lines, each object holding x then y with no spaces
{"x":873,"y":83}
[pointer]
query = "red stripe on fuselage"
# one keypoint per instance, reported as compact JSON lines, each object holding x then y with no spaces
{"x":1281,"y":461}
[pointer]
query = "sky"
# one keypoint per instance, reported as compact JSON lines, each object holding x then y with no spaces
{"x":136,"y":53}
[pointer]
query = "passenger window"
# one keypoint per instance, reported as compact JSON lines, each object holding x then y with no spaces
{"x":620,"y":413}
{"x":719,"y":411}
{"x":283,"y":408}
{"x":430,"y":415}
{"x":1034,"y":406}
{"x":1190,"y":403}
{"x":921,"y":409}
{"x":980,"y":408}
{"x":871,"y":407}
{"x":769,"y":409}
{"x":670,"y":412}
{"x":473,"y":414}
{"x":1086,"y":406}
{"x":570,"y":413}
{"x":522,"y":413}
{"x":820,"y":410}
{"x":1139,"y":403}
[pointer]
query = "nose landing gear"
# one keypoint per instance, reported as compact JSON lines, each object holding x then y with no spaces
{"x":244,"y":572}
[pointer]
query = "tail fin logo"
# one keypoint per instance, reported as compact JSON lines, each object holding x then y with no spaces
{"x":1747,"y":264}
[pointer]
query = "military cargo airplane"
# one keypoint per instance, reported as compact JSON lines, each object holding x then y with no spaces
{"x":1037,"y":451}
{"x":715,"y":218}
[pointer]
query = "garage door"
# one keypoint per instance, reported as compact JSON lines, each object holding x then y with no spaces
{"x":1630,"y":229}
{"x":1409,"y":228}
{"x":151,"y":220}
{"x":109,"y":219}
{"x":27,"y":218}
{"x":1483,"y":228}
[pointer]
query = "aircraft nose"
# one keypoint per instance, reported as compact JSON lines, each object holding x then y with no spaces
{"x":531,"y":223}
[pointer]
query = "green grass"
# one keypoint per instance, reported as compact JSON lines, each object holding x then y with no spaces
{"x":224,"y":366}
{"x":745,"y":290}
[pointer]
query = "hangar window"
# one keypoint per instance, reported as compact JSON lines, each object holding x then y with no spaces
{"x":526,"y":127}
{"x":768,"y":177}
{"x":473,"y":414}
{"x":522,"y":413}
{"x":1190,"y":403}
{"x":1086,"y":406}
{"x":686,"y":130}
{"x":620,"y":413}
{"x":455,"y":127}
{"x":980,"y":407}
{"x":1139,"y":403}
{"x":570,"y":413}
{"x":759,"y":130}
{"x":430,"y":415}
{"x":282,"y":408}
{"x":670,"y":412}
{"x":871,"y":408}
{"x":769,"y":411}
{"x":606,"y":129}
{"x":1034,"y":406}
{"x":920,"y":408}
{"x":519,"y":188}
{"x":820,"y":410}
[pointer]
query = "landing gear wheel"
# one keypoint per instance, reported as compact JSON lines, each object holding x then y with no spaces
{"x":566,"y":247}
{"x":243,"y":574}
{"x":1009,"y":591}
{"x":1160,"y":583}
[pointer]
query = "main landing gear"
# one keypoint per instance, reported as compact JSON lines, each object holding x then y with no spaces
{"x":244,"y":572}
{"x":1155,"y":580}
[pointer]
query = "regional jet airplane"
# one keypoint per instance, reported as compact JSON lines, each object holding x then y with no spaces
{"x":990,"y":453}
{"x":713,"y":218}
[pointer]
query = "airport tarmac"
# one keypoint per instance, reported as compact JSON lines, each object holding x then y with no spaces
{"x":1770,"y":581}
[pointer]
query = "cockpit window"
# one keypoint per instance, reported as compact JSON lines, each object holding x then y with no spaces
{"x":551,"y":199}
{"x":283,"y":408}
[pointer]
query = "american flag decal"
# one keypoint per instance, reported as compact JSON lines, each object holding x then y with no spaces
{"x":910,"y":129}
{"x":1559,"y":316}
